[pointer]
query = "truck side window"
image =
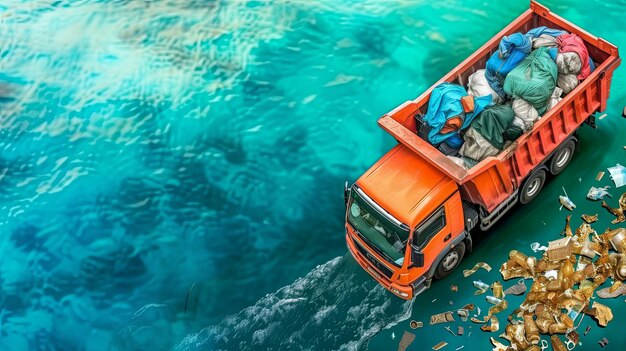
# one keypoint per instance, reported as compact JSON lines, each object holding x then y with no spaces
{"x":433,"y":225}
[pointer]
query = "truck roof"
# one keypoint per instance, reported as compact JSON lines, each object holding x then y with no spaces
{"x":402,"y":183}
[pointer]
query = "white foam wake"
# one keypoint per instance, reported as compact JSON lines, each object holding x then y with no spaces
{"x":334,"y":307}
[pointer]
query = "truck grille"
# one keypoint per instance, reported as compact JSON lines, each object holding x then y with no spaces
{"x":370,"y":258}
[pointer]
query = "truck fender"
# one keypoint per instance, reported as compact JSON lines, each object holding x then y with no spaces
{"x":461,"y":237}
{"x":469,"y":244}
{"x":542,"y":167}
{"x":574,"y":138}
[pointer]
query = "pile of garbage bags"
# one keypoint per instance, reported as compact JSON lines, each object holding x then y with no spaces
{"x":527,"y":76}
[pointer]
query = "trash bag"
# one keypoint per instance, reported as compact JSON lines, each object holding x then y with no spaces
{"x":545,"y":31}
{"x":533,"y":80}
{"x":512,"y":50}
{"x":545,"y":37}
{"x":444,"y":105}
{"x":447,"y":150}
{"x":573,"y":43}
{"x":544,"y":41}
{"x":493,"y":122}
{"x":476,"y":146}
{"x":526,"y":112}
{"x":518,"y":123}
{"x":513,"y":132}
{"x":477,"y":85}
{"x":567,"y":82}
{"x":555,"y":98}
{"x":454,"y":141}
{"x":568,"y":63}
{"x":526,"y":115}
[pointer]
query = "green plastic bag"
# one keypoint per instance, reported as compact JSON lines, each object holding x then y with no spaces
{"x":493,"y":122}
{"x":533,"y":79}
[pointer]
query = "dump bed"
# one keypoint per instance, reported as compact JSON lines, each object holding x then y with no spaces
{"x":496,"y":178}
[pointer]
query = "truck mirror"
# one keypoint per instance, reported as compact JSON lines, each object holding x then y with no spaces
{"x":346,"y":193}
{"x":417,"y":257}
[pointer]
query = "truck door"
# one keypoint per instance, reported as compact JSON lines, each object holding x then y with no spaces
{"x":435,"y":234}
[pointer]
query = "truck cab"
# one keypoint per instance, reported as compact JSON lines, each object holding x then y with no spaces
{"x":405,"y":223}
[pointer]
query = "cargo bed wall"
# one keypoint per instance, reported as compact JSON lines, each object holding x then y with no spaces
{"x":494,"y":179}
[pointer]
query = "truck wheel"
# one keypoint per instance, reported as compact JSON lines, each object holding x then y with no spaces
{"x":561,"y":157}
{"x":450,"y":261}
{"x":532,"y":186}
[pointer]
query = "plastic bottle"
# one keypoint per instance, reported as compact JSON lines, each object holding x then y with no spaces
{"x":532,"y":332}
{"x":493,"y":300}
{"x":519,"y":258}
{"x":480,"y":285}
{"x":565,"y":275}
{"x":496,"y":288}
{"x":565,"y":319}
{"x":557,"y":344}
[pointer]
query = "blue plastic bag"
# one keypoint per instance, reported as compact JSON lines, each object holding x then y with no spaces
{"x":445,"y":103}
{"x":536,"y":32}
{"x":512,"y":50}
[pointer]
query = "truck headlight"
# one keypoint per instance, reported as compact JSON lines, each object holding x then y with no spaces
{"x":397,"y":292}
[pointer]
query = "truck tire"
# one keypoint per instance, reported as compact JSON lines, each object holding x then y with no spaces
{"x":562,"y":157}
{"x":450,"y":261}
{"x":532,"y":186}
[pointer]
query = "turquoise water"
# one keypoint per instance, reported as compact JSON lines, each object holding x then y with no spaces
{"x":172,"y":171}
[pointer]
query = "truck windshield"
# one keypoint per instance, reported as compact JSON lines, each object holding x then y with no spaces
{"x":386,"y":237}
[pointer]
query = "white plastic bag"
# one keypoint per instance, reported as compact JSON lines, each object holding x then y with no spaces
{"x":477,"y":85}
{"x":567,"y":82}
{"x":476,"y":146}
{"x":618,"y":175}
{"x":544,"y":40}
{"x":555,"y":98}
{"x":568,"y":63}
{"x":526,"y":112}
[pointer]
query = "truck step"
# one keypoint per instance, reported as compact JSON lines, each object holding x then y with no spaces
{"x":471,"y":216}
{"x":490,"y":219}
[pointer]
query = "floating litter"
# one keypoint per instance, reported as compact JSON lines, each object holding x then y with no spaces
{"x":537,"y":247}
{"x":618,"y":175}
{"x":598,"y":193}
{"x":566,"y":202}
{"x":415,"y":324}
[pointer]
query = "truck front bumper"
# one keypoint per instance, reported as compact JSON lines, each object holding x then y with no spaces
{"x":402,"y":291}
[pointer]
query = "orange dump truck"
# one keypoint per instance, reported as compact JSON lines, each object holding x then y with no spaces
{"x":409,"y":218}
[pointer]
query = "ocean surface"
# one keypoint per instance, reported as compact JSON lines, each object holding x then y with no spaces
{"x":171,"y":171}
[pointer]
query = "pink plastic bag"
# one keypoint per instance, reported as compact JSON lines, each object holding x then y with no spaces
{"x":573,"y":43}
